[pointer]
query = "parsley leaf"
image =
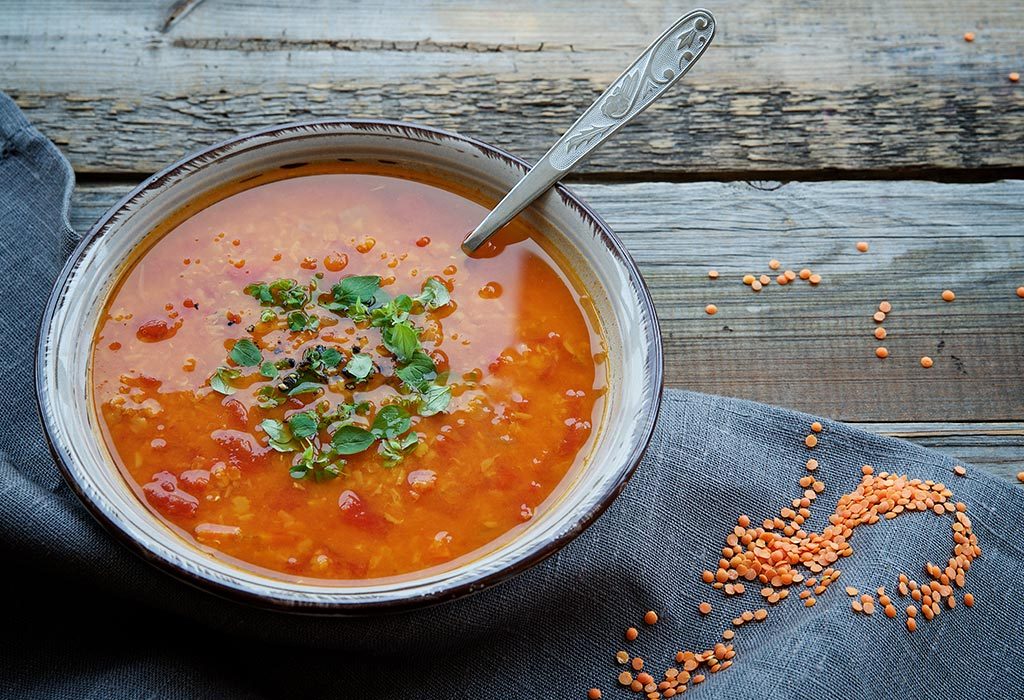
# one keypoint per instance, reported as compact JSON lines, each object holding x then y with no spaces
{"x":267,"y":397}
{"x":360,"y":366}
{"x":402,"y":339}
{"x":351,"y":439}
{"x":244,"y":353}
{"x":280,"y":435}
{"x":305,"y":388}
{"x":391,"y":421}
{"x":394,"y":449}
{"x":434,"y":294}
{"x":419,"y":372}
{"x":435,"y":400}
{"x":269,"y":370}
{"x":221,"y":380}
{"x":301,"y":321}
{"x":354,"y":289}
{"x":304,"y":425}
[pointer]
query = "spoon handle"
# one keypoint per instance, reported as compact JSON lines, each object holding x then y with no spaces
{"x":656,"y":70}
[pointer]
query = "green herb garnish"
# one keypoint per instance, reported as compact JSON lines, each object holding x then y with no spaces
{"x":222,"y":378}
{"x":245,"y":353}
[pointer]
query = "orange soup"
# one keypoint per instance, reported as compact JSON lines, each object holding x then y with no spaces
{"x":308,"y":377}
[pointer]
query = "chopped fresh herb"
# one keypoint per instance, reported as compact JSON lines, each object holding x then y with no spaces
{"x":269,"y":370}
{"x":304,"y":425}
{"x":318,"y":360}
{"x":299,"y":321}
{"x":351,"y":439}
{"x":419,"y":371}
{"x":221,"y":380}
{"x":434,"y":295}
{"x":245,"y":353}
{"x":395,"y":449}
{"x":317,"y":462}
{"x":360,"y":367}
{"x":286,"y":293}
{"x":268,"y":397}
{"x":280,"y":435}
{"x":391,"y":421}
{"x":435,"y":400}
{"x":402,"y":339}
{"x":268,"y":315}
{"x":305,"y":388}
{"x":353,"y":290}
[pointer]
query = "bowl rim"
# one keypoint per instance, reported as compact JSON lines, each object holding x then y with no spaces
{"x":245,"y":594}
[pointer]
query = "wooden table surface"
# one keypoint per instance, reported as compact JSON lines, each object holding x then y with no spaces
{"x":806,"y":127}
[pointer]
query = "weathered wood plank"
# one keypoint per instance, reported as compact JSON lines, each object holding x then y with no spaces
{"x":786,"y":88}
{"x":812,"y":348}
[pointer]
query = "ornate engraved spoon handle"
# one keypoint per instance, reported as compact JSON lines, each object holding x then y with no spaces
{"x":656,"y":70}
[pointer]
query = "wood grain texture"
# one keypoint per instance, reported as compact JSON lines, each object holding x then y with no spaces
{"x":786,"y":88}
{"x":811,"y":348}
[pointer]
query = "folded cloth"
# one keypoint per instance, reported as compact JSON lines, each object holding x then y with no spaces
{"x":87,"y":619}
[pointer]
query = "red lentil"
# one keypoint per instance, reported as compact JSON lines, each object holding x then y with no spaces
{"x":805,"y":274}
{"x":969,"y":600}
{"x":594,"y":694}
{"x":748,"y":280}
{"x":880,"y":333}
{"x":711,"y":309}
{"x":814,"y":279}
{"x":881,"y":352}
{"x":756,"y":286}
{"x":782,"y":280}
{"x":927,"y":362}
{"x":878,"y":316}
{"x":862,"y":246}
{"x":705,"y":608}
{"x":650,"y":617}
{"x":810,"y":441}
{"x":713,"y":274}
{"x":1014,"y":77}
{"x":948,"y":295}
{"x":884,"y":307}
{"x":631,"y":633}
{"x":812,"y":464}
{"x":638,"y":664}
{"x":622,"y":657}
{"x":959,"y":470}
{"x":968,"y":36}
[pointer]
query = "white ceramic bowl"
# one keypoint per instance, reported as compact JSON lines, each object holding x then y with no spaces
{"x":622,"y":302}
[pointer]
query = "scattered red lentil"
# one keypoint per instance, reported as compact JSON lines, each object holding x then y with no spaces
{"x":1014,"y":77}
{"x":594,"y":694}
{"x":879,"y":316}
{"x":765,"y":280}
{"x":713,"y":274}
{"x":790,"y":275}
{"x":748,"y":280}
{"x":948,"y":295}
{"x":638,"y":664}
{"x":814,"y":279}
{"x":805,"y":274}
{"x":1020,"y":476}
{"x":631,"y":633}
{"x":711,"y":309}
{"x":884,"y":307}
{"x":756,"y":285}
{"x":816,"y":427}
{"x":927,"y":362}
{"x":862,"y":246}
{"x":881,"y":352}
{"x":968,"y":36}
{"x":774,"y":264}
{"x":1020,"y":292}
{"x":880,"y":333}
{"x":770,"y":555}
{"x":782,"y":280}
{"x":959,"y":470}
{"x":650,"y":617}
{"x":810,"y":441}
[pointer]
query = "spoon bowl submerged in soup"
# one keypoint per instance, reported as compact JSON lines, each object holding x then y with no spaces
{"x":308,"y":378}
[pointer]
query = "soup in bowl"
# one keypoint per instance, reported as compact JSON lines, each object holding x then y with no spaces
{"x":272,"y":371}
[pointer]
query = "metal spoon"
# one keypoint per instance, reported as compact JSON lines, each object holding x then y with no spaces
{"x":656,"y":70}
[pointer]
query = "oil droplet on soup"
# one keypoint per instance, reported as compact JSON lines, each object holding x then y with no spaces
{"x":190,"y":404}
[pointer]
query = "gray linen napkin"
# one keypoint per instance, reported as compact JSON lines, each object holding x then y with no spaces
{"x":86,"y":619}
